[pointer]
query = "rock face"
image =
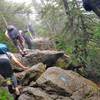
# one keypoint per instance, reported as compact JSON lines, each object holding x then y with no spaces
{"x":42,"y":43}
{"x":34,"y":94}
{"x":46,"y":56}
{"x":32,"y":74}
{"x":58,"y":84}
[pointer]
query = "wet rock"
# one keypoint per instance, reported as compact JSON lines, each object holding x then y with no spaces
{"x":66,"y":83}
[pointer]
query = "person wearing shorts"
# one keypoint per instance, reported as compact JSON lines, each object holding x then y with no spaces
{"x":13,"y":34}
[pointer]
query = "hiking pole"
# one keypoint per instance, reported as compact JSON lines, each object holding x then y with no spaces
{"x":4,"y":19}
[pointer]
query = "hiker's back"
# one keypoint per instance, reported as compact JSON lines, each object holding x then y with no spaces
{"x":4,"y":56}
{"x":5,"y":66}
{"x":13,"y":34}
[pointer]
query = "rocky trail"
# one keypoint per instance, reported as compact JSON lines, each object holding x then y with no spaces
{"x":46,"y":80}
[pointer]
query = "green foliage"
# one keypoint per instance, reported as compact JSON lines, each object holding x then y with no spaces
{"x":52,"y":16}
{"x":61,"y":44}
{"x":4,"y":94}
{"x":14,"y":13}
{"x":97,"y":34}
{"x":3,"y":39}
{"x":42,"y":31}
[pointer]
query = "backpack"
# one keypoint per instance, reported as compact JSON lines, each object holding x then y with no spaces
{"x":13,"y":34}
{"x":3,"y":48}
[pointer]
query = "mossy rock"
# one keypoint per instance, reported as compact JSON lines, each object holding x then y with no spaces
{"x":5,"y":95}
{"x":62,"y":63}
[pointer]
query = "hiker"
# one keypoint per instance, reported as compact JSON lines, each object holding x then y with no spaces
{"x":13,"y":34}
{"x":27,"y":39}
{"x":6,"y":68}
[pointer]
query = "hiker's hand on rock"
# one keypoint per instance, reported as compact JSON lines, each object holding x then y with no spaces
{"x":25,"y":68}
{"x":20,"y":75}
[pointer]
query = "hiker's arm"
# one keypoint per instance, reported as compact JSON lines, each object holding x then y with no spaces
{"x":18,"y":62}
{"x":6,"y":33}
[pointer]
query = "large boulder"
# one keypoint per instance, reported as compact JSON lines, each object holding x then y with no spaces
{"x":32,"y":74}
{"x":58,"y":84}
{"x":68,"y":84}
{"x":42,"y":43}
{"x":35,"y":56}
{"x":30,"y":93}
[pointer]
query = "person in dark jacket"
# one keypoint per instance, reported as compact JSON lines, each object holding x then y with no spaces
{"x":6,"y":68}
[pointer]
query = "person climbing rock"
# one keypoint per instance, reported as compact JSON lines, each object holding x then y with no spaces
{"x":6,"y":68}
{"x":13,"y":34}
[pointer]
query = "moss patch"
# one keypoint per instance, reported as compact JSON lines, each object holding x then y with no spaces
{"x":5,"y":95}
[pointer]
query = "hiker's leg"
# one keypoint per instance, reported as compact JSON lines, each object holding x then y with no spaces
{"x":14,"y":80}
{"x":29,"y":45}
{"x":21,"y":41}
{"x":28,"y":42}
{"x":15,"y":41}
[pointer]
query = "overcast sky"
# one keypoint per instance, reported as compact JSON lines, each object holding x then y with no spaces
{"x":33,"y":16}
{"x":21,"y":1}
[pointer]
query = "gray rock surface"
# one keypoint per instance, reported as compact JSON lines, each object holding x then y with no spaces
{"x":35,"y":56}
{"x":32,"y":74}
{"x":58,"y":84}
{"x":72,"y":84}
